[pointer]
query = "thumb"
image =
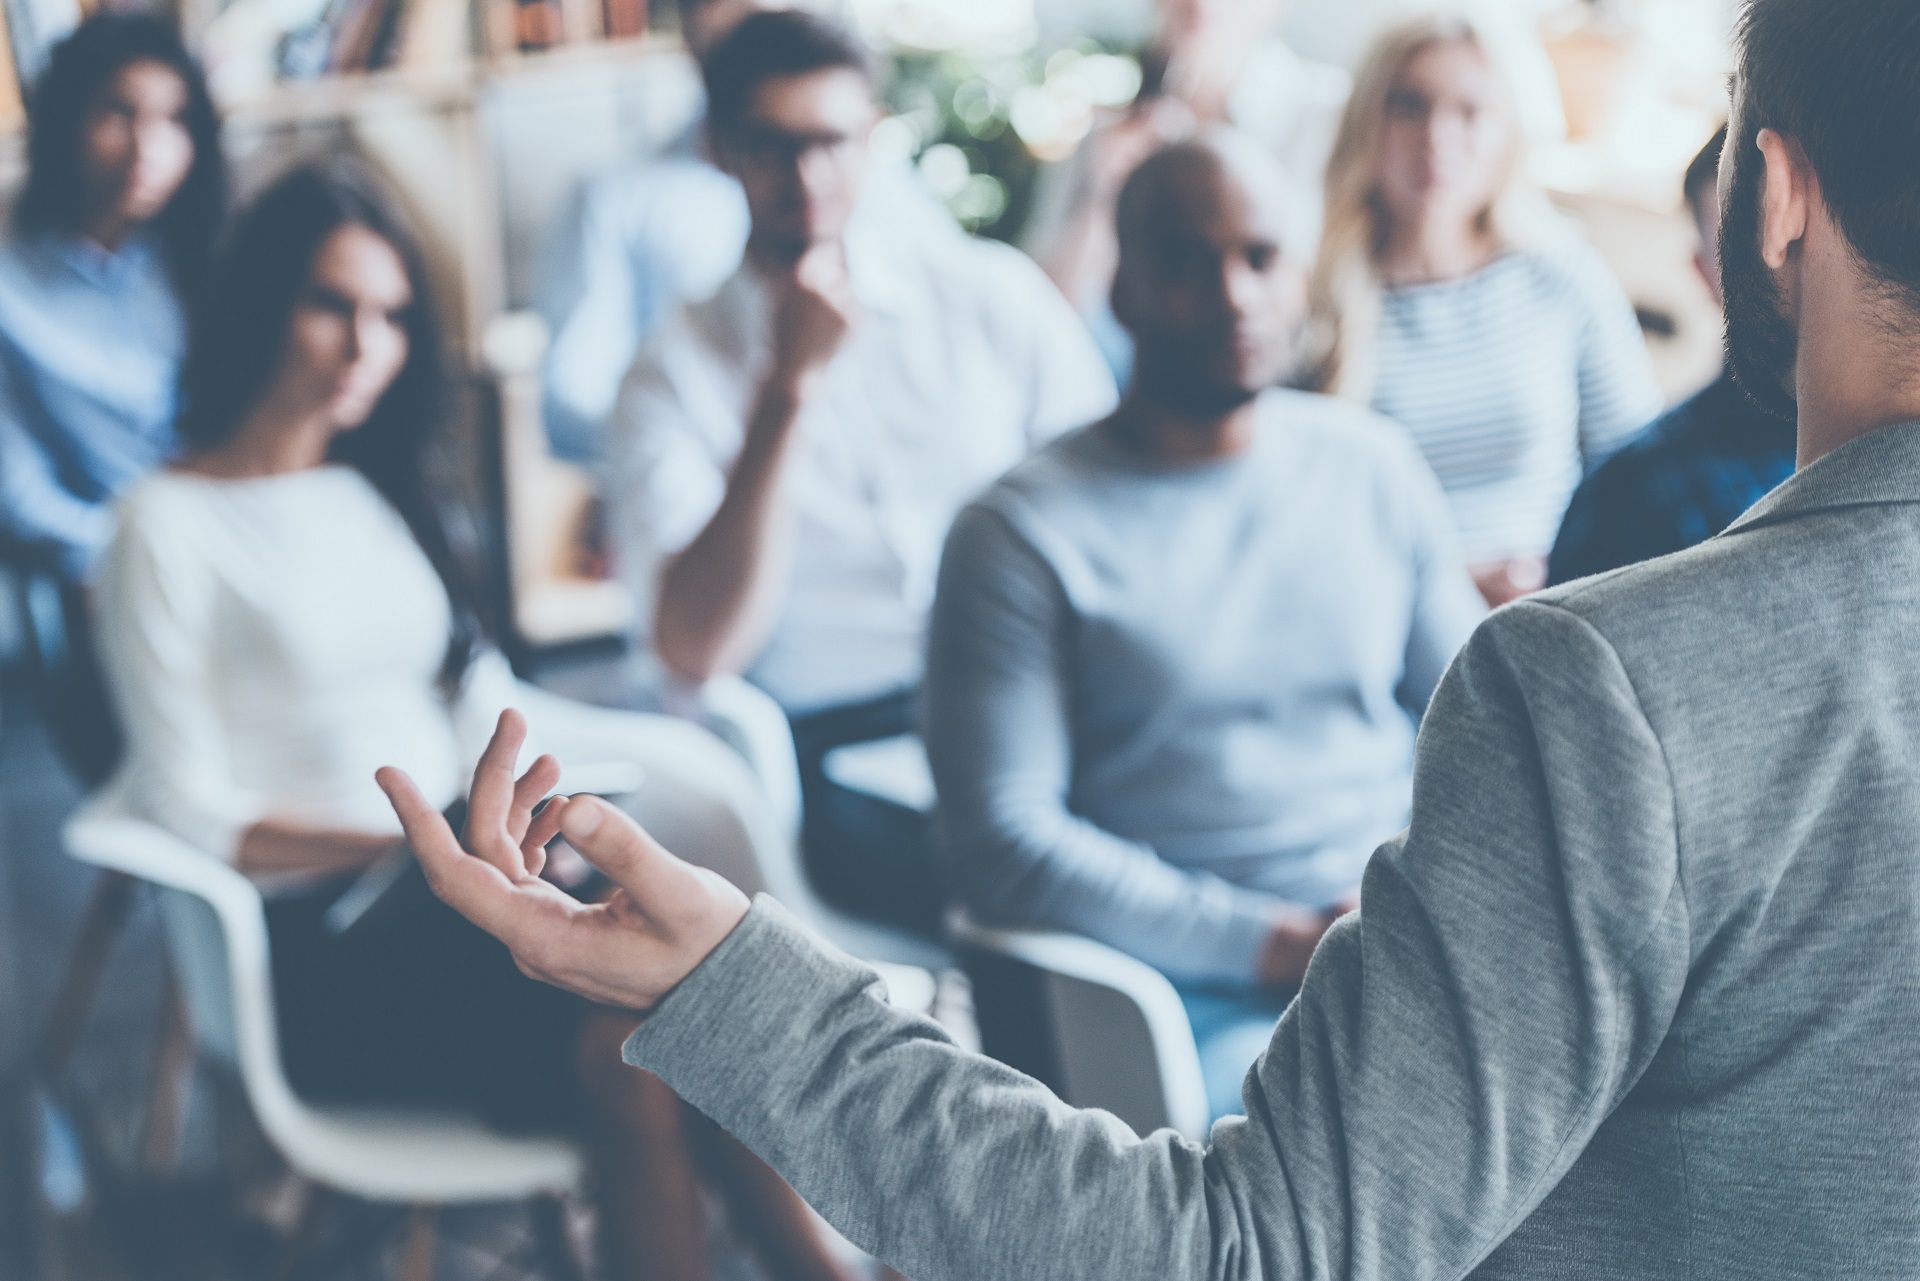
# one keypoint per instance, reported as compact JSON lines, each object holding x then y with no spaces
{"x":609,"y":839}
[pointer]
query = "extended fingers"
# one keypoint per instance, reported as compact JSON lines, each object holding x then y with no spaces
{"x":493,"y":792}
{"x":541,"y":830}
{"x":470,"y":886}
{"x":528,"y":792}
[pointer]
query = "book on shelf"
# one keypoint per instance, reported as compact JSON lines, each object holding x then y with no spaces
{"x":528,"y":26}
{"x":538,"y":24}
{"x":581,"y":20}
{"x":432,"y":33}
{"x":13,"y":108}
{"x":625,"y":19}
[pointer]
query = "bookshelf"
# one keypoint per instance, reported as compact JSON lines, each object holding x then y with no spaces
{"x":455,"y":142}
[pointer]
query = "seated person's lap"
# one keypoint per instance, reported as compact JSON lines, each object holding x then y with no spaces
{"x":865,"y":854}
{"x":417,"y":1006}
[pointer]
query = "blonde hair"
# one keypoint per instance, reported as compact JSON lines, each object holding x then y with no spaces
{"x":1345,"y":291}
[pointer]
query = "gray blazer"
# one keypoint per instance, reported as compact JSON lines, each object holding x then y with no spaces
{"x":1636,"y":995}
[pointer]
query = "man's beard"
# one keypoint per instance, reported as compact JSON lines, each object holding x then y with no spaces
{"x":1172,"y":373}
{"x":1762,"y":345}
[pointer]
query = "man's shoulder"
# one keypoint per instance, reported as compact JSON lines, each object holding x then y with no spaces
{"x":988,"y":271}
{"x":1344,"y":424}
{"x":1062,"y":470}
{"x":1666,"y":618}
{"x":1379,"y":446}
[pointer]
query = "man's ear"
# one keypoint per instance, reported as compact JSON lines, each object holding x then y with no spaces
{"x":1786,"y":197}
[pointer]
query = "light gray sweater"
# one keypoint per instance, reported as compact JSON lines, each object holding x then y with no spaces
{"x":1162,"y":700}
{"x":1636,"y":996}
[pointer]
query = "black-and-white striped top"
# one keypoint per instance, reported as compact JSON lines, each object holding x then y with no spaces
{"x":1515,"y":381}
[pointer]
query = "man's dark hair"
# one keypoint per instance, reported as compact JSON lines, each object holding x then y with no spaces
{"x":240,"y":328}
{"x":1704,"y":173}
{"x":1842,"y":78}
{"x":773,"y":46}
{"x":80,"y":67}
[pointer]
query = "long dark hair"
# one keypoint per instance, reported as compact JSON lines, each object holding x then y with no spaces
{"x":80,"y":67}
{"x":240,"y":332}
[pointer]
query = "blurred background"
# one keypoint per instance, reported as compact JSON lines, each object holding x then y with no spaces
{"x":489,"y":116}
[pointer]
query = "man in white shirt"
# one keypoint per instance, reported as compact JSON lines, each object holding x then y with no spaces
{"x":642,"y":240}
{"x":784,"y":458}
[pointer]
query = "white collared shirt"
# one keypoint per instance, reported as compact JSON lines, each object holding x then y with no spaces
{"x":960,"y":362}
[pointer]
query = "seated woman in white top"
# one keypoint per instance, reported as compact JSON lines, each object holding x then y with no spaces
{"x":1450,"y":297}
{"x":282,"y":612}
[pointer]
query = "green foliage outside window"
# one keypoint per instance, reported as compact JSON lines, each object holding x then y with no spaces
{"x":979,"y":125}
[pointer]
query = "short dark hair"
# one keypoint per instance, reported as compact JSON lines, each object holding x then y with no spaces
{"x":772,"y":46}
{"x":79,"y":68}
{"x":240,"y":329}
{"x":1842,"y":79}
{"x":1704,"y":173}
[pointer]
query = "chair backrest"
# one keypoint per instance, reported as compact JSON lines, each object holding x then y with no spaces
{"x":216,"y":935}
{"x":1120,"y":1037}
{"x":752,"y":725}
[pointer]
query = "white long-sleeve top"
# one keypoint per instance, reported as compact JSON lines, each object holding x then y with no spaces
{"x":269,"y":644}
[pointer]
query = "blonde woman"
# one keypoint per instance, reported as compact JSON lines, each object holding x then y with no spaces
{"x":1453,"y":299}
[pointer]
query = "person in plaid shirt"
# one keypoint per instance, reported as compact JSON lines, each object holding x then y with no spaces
{"x":1695,"y":470}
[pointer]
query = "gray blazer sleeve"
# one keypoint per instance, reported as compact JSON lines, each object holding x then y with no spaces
{"x":1519,"y":955}
{"x":1002,"y":756}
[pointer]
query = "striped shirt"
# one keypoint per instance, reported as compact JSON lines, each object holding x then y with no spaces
{"x":1514,"y":382}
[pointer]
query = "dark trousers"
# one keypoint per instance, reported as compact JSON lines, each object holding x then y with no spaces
{"x":865,"y":855}
{"x":416,"y":1006}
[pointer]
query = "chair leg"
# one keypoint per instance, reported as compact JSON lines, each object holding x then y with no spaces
{"x":417,"y":1251}
{"x":172,"y":1082}
{"x":106,"y":916}
{"x":553,"y":1242}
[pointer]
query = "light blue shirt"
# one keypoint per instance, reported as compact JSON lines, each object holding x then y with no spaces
{"x":638,"y":243}
{"x":90,"y":351}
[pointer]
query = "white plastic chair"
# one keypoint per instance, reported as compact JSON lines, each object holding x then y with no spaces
{"x":216,"y":935}
{"x":695,"y":794}
{"x":1120,"y":1032}
{"x":749,"y":721}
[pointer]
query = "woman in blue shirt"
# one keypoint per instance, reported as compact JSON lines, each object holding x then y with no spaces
{"x":125,"y":190}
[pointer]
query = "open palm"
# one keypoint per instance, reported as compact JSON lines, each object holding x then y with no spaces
{"x":628,"y":951}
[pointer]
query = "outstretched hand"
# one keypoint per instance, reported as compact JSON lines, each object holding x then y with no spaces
{"x":628,"y":951}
